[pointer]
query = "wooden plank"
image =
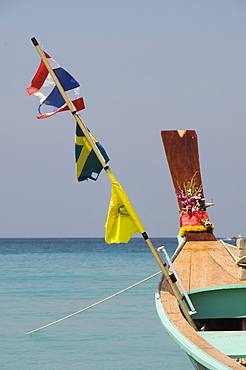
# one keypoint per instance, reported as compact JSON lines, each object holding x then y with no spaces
{"x":206,"y":264}
{"x":200,"y":236}
{"x":170,"y":306}
{"x":200,"y":265}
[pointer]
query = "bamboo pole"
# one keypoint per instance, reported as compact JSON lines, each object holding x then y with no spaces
{"x":132,"y":213}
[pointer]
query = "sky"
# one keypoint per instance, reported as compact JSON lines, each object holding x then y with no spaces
{"x":143,"y":67}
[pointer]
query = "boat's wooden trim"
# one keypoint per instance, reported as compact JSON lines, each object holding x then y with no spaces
{"x":200,"y":265}
{"x":169,"y":304}
{"x":203,"y":264}
{"x":203,"y":236}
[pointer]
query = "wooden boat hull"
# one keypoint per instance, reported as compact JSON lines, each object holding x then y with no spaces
{"x":214,"y":336}
{"x":199,"y":359}
{"x":221,"y":310}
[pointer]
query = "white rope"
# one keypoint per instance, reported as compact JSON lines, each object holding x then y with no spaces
{"x":94,"y":304}
{"x":228,"y":250}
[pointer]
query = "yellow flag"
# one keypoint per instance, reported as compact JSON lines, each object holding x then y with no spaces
{"x":119,"y":225}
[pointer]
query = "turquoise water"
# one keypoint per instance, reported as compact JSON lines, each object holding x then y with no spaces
{"x":43,"y":280}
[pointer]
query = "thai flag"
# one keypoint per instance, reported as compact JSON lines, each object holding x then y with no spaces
{"x":44,"y":87}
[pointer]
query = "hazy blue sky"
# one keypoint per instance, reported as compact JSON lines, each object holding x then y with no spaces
{"x":144,"y":66}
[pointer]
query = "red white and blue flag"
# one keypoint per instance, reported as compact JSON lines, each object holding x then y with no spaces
{"x":45,"y":88}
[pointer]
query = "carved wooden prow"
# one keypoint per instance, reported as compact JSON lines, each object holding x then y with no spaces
{"x":181,"y":147}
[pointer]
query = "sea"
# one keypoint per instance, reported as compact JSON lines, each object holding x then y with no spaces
{"x":46,"y":279}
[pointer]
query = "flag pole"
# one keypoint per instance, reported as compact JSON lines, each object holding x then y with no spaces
{"x":131,"y":211}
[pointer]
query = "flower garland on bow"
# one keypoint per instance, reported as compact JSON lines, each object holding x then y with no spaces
{"x":191,"y":196}
{"x":193,"y":217}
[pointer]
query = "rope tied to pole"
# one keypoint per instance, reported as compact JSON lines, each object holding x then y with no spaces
{"x":95,"y":304}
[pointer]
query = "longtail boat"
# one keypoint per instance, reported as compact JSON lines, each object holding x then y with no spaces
{"x":202,"y":298}
{"x":208,"y":274}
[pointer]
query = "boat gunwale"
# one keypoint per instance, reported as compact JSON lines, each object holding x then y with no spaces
{"x":191,"y":349}
{"x":176,"y":325}
{"x":205,"y":356}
